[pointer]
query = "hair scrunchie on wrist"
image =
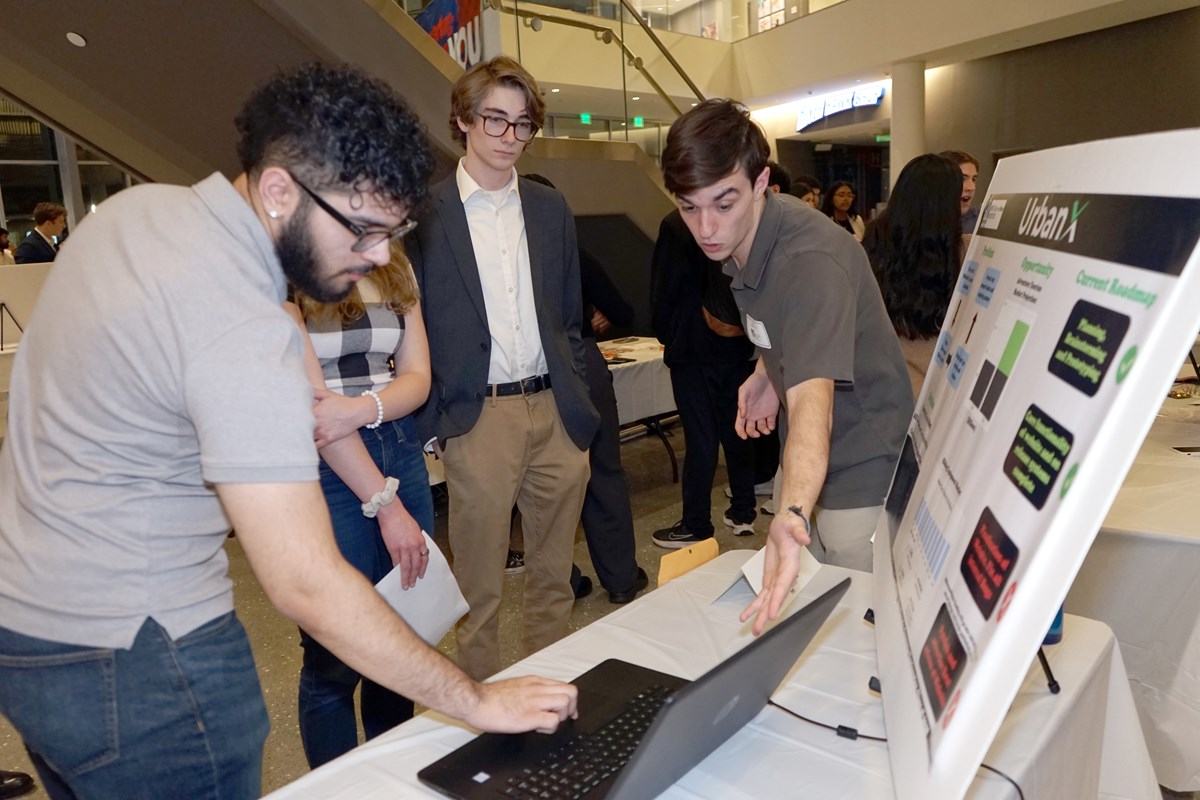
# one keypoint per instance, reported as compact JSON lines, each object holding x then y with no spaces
{"x":381,"y":499}
{"x":378,"y":411}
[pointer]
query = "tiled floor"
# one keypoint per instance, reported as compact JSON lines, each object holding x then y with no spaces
{"x":656,"y":504}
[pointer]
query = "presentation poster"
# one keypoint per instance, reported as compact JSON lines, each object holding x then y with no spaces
{"x":1075,"y":307}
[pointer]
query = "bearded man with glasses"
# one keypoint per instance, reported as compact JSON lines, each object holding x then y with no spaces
{"x":508,"y":410}
{"x":159,"y":395}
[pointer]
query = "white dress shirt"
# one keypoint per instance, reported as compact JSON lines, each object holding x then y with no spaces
{"x":497,"y":225}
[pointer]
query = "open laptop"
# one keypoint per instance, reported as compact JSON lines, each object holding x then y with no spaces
{"x":638,"y":730}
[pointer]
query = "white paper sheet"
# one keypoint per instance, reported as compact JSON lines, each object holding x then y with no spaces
{"x":752,"y":570}
{"x":433,"y":604}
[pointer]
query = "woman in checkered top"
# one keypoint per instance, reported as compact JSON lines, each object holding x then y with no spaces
{"x":368,"y":359}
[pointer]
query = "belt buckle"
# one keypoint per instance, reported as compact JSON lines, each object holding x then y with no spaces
{"x":529,"y":385}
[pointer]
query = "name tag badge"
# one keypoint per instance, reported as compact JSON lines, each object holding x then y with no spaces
{"x":757,"y":333}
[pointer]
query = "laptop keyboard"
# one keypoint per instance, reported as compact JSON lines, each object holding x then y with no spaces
{"x":583,"y":762}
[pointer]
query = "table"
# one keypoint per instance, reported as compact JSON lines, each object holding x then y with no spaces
{"x":1142,"y":578}
{"x":642,"y":385}
{"x":1084,"y":742}
{"x":643,"y":388}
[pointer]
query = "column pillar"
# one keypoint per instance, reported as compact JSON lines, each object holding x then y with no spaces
{"x":908,"y":114}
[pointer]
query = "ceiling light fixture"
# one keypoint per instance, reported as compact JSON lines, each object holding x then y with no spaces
{"x":636,"y":97}
{"x":555,"y":91}
{"x":76,"y":39}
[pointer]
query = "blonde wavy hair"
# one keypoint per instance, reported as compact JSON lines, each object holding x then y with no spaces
{"x":397,"y":288}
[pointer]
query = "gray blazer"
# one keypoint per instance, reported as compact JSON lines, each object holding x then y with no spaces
{"x":460,"y":344}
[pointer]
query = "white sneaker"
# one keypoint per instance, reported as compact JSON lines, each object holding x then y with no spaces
{"x":740,"y":528}
{"x":768,"y":507}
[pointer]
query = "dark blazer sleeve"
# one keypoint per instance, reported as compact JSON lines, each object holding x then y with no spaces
{"x":666,"y":281}
{"x":579,"y":415}
{"x":601,"y":293}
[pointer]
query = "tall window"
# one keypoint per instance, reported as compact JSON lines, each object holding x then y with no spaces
{"x":39,"y":164}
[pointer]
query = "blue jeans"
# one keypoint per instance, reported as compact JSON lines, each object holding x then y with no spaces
{"x":327,"y":722}
{"x":166,"y":718}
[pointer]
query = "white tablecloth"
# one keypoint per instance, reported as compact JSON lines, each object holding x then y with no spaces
{"x":1084,"y":742}
{"x":1142,"y":578}
{"x":643,"y":386}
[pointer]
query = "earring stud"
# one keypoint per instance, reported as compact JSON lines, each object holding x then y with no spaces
{"x":273,"y":214}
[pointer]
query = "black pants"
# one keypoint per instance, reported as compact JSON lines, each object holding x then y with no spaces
{"x":706,"y":396}
{"x":607,"y":518}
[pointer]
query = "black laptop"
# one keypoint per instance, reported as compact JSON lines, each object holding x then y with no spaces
{"x":638,"y":730}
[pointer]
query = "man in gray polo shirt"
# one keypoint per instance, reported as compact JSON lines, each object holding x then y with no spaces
{"x":827,"y":352}
{"x":158,"y":396}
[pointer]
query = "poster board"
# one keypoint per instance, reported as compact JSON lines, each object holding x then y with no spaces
{"x":1078,"y":300}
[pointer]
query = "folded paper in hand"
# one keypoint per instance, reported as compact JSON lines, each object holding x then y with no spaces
{"x":433,"y":604}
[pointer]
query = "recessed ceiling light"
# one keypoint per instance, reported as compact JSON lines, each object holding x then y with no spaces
{"x":76,"y":39}
{"x":555,"y":91}
{"x":635,"y":97}
{"x":695,"y":104}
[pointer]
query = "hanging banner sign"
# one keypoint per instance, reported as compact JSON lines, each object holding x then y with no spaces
{"x":467,"y":32}
{"x":1074,"y":309}
{"x":827,"y":105}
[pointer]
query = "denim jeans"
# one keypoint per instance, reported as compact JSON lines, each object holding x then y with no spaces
{"x":327,"y":723}
{"x":165,"y":718}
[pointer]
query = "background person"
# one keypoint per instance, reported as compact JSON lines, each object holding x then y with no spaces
{"x":693,"y":314}
{"x":39,"y":247}
{"x":807,"y":190}
{"x":839,"y":207}
{"x":915,"y":248}
{"x":368,"y":360}
{"x":138,"y":436}
{"x":968,"y":165}
{"x":6,"y":255}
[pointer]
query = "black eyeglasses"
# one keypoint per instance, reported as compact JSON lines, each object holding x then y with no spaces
{"x":367,"y":237}
{"x":496,"y":127}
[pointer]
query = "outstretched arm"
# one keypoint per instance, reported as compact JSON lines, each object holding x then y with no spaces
{"x":805,"y":462}
{"x":284,"y":529}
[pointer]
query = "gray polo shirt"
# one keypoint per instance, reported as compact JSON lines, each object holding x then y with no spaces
{"x":158,"y":361}
{"x":809,"y":301}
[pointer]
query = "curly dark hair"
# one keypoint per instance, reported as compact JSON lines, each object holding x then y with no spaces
{"x":335,"y":128}
{"x":915,"y":246}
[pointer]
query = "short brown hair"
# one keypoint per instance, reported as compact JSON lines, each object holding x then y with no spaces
{"x":960,"y":157}
{"x":47,"y":212}
{"x":711,"y":141}
{"x":473,"y":86}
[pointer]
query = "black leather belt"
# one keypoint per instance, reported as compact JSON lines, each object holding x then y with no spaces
{"x":537,"y":383}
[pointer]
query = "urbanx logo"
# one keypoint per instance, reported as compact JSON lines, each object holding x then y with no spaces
{"x":1044,"y":221}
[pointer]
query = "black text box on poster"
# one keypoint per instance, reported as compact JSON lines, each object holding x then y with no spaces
{"x":943,"y":660}
{"x":1037,"y":455}
{"x":1088,"y":345}
{"x":990,"y":558}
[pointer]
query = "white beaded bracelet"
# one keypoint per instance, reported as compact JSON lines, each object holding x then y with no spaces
{"x":381,"y":499}
{"x":378,"y":411}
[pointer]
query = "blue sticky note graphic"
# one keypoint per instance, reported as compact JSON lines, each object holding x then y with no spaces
{"x":968,"y":277}
{"x":957,"y":366}
{"x":987,"y":288}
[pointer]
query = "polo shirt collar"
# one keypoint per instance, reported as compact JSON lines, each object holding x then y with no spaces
{"x":750,"y":275}
{"x":231,"y":208}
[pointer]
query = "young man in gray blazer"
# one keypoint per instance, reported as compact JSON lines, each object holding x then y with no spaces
{"x":508,"y":410}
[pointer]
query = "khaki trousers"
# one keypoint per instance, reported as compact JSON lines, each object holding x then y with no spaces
{"x":519,"y":454}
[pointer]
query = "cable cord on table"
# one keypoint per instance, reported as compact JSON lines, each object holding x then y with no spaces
{"x":847,"y":732}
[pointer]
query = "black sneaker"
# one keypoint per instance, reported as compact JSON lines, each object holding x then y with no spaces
{"x":675,"y":537}
{"x":515,"y":564}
